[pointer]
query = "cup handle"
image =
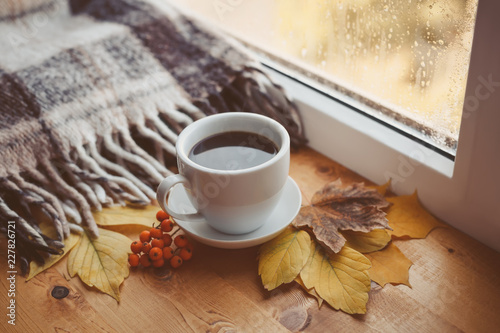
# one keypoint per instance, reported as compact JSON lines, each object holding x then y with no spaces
{"x":162,"y":196}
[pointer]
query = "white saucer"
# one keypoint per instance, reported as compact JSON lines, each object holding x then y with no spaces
{"x":288,"y":207}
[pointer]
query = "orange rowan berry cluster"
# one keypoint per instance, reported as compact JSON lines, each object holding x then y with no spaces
{"x":155,"y":247}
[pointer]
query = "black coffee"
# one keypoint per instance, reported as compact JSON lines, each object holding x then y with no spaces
{"x":233,"y":151}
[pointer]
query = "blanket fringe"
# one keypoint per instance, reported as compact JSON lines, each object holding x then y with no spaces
{"x":114,"y":183}
{"x":124,"y":179}
{"x":130,"y":145}
{"x":29,"y":239}
{"x":138,"y":162}
{"x":114,"y":170}
{"x":46,"y":196}
{"x":70,"y":192}
{"x":155,"y":136}
{"x":30,"y":198}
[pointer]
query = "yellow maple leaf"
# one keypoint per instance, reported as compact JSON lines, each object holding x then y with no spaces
{"x":36,"y":268}
{"x":281,"y":259}
{"x":310,"y":291}
{"x":366,"y":242}
{"x":341,"y":279}
{"x":101,"y":262}
{"x":118,"y":216}
{"x":389,"y":265}
{"x":382,"y":189}
{"x":409,"y":219}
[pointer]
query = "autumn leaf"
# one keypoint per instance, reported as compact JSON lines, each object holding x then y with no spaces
{"x":342,"y":207}
{"x":341,"y":279}
{"x":36,"y":268}
{"x":389,"y":265}
{"x":118,"y":216}
{"x":409,"y":219}
{"x":382,"y":189}
{"x":310,"y":291}
{"x":366,"y":242}
{"x":101,"y":262}
{"x":281,"y":259}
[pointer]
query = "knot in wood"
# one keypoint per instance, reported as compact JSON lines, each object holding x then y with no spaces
{"x":59,"y":292}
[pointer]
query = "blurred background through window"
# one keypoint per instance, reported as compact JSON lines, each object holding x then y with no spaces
{"x":407,"y":59}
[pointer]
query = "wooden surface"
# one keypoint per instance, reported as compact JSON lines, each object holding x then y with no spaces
{"x":455,"y":287}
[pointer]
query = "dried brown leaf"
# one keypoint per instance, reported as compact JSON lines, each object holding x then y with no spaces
{"x":342,"y":207}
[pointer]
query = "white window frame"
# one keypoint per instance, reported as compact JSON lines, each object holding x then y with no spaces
{"x":464,"y":193}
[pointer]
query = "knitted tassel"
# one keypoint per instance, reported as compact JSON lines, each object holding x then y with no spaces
{"x":46,"y":196}
{"x":132,"y":147}
{"x":74,"y":195}
{"x":126,"y":178}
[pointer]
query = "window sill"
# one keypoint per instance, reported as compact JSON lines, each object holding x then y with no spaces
{"x":340,"y":132}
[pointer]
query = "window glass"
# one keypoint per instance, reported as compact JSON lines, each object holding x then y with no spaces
{"x":407,"y":58}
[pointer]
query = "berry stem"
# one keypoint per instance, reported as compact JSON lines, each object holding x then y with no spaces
{"x":176,"y":231}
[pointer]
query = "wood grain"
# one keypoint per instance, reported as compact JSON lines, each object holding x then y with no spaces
{"x":455,"y":287}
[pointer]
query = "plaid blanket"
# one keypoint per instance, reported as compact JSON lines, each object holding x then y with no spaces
{"x":93,"y":94}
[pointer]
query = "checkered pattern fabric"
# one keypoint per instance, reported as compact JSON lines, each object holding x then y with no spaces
{"x":93,"y":94}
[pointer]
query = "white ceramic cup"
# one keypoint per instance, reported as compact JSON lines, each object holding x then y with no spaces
{"x":231,"y":201}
